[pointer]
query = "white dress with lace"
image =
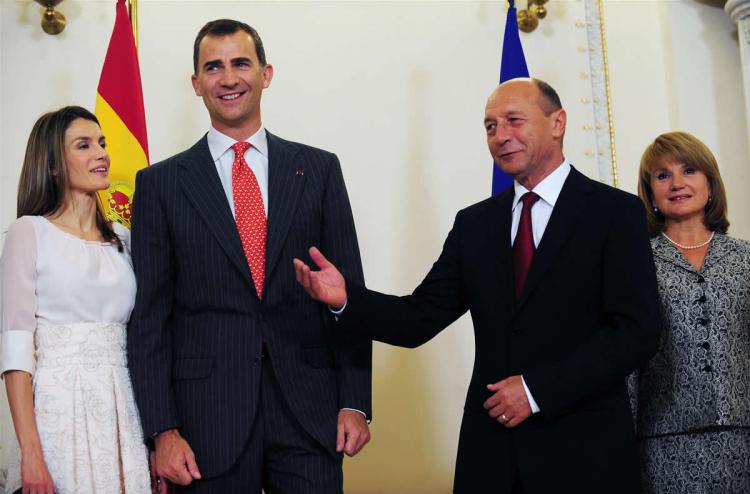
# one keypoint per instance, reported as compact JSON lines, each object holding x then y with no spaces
{"x":65,"y":305}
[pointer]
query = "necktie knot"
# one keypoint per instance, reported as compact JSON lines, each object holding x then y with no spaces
{"x":529,"y":199}
{"x":240,"y":148}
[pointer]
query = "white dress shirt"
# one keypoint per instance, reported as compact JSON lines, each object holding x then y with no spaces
{"x":256,"y":156}
{"x":548,"y":191}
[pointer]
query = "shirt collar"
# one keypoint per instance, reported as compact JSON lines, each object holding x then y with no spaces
{"x":219,"y":143}
{"x":548,"y":189}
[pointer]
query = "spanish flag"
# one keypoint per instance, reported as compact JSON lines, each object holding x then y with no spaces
{"x":119,"y":108}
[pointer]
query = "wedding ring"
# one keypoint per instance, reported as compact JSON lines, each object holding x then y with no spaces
{"x":505,"y":419}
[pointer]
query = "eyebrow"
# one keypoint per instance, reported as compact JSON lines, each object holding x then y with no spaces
{"x":87,"y":138}
{"x":219,"y":63}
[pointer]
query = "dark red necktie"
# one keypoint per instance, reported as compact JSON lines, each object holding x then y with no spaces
{"x":523,"y":247}
{"x":249,"y":215}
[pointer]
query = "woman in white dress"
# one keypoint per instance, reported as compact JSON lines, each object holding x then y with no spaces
{"x":67,"y":291}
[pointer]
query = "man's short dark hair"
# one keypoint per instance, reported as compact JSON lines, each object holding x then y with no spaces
{"x":225,"y":27}
{"x":550,"y":99}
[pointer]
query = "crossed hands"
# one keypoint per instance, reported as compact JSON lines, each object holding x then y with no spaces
{"x":326,"y":285}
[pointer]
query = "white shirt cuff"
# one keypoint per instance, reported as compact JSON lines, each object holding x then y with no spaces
{"x":337,"y":313}
{"x":17,"y":352}
{"x":532,"y":402}
{"x":360,"y":411}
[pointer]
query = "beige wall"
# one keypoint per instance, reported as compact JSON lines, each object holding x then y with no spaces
{"x":397,"y":90}
{"x":676,"y":66}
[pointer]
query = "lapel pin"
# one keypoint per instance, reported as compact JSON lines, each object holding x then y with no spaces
{"x":300,"y":172}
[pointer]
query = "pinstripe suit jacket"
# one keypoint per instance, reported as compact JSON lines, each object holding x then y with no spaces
{"x":196,"y":331}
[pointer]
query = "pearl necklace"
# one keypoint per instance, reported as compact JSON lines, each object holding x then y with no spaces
{"x":690,"y":247}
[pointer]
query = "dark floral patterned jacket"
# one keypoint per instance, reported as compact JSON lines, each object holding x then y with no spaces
{"x":700,"y":377}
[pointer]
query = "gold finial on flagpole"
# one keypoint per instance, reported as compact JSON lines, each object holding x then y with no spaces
{"x":528,"y":18}
{"x":133,"y":13}
{"x":53,"y":22}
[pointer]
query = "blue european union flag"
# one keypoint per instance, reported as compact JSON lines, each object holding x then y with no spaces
{"x":512,"y":65}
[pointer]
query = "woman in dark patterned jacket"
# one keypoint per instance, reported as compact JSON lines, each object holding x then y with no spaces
{"x":693,"y":398}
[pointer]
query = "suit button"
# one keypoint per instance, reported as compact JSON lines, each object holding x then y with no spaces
{"x":703,"y":321}
{"x":707,"y":368}
{"x":702,"y":299}
{"x":704,"y":345}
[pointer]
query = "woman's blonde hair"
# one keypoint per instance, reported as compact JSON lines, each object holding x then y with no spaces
{"x":687,"y":149}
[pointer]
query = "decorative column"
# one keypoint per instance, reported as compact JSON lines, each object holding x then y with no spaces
{"x":739,"y":12}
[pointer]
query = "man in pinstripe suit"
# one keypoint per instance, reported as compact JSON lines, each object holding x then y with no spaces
{"x":243,"y":388}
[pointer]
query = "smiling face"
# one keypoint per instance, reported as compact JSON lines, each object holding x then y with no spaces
{"x":86,"y":158}
{"x":680,"y":191}
{"x":230,"y":80}
{"x":524,"y":141}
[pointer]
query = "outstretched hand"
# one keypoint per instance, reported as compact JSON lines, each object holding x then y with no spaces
{"x":326,"y":285}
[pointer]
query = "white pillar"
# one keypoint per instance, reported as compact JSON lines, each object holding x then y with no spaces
{"x":739,"y":12}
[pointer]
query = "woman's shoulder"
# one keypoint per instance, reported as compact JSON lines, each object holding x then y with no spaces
{"x":736,"y":244}
{"x":20,"y":239}
{"x":123,"y":233}
{"x":24,"y":226}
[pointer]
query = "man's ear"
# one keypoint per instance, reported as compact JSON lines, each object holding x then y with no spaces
{"x":196,"y":87}
{"x":559,"y":120}
{"x":267,"y":75}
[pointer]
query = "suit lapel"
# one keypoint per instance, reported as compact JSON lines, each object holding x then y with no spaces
{"x":568,"y":211}
{"x":286,"y":181}
{"x":202,"y":186}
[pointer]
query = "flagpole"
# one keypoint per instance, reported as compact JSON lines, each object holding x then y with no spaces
{"x":133,"y":13}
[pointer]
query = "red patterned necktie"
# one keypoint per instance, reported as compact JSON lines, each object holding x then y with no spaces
{"x":523,"y":247}
{"x":249,"y":215}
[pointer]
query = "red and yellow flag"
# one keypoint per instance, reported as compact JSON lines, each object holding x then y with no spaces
{"x":119,"y":108}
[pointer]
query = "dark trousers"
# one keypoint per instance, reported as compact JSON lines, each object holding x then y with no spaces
{"x":280,"y":457}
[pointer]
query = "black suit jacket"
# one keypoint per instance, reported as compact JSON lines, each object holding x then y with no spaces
{"x":586,"y":318}
{"x":196,"y":332}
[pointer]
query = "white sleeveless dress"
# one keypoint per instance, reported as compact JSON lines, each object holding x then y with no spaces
{"x":65,"y":306}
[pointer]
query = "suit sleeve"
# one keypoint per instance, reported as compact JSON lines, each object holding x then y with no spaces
{"x":339,"y":242}
{"x":149,"y":341}
{"x":414,"y":319}
{"x":628,"y":334}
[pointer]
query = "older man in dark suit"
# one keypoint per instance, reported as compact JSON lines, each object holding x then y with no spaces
{"x":558,"y":276}
{"x":238,"y":379}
